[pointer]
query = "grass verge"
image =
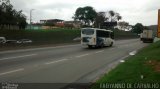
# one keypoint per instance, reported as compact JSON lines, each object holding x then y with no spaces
{"x":141,"y":71}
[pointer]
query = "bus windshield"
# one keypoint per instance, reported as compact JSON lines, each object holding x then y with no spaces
{"x":88,"y":31}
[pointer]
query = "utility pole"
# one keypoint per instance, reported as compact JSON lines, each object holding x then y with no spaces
{"x":31,"y":18}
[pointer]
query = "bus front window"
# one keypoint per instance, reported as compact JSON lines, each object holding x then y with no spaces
{"x":88,"y":31}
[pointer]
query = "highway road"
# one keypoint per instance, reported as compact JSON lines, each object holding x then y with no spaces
{"x":63,"y":64}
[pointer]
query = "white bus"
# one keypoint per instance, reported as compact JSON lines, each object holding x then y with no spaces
{"x":95,"y":37}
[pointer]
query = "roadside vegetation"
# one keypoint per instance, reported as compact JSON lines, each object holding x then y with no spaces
{"x":11,"y":18}
{"x":42,"y":36}
{"x":59,"y":35}
{"x":120,"y":34}
{"x":144,"y":67}
{"x":56,"y":36}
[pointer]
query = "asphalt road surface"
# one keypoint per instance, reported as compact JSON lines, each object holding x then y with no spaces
{"x":63,"y":64}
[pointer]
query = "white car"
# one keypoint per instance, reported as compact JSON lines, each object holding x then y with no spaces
{"x":77,"y":39}
{"x":3,"y":40}
{"x":11,"y":41}
{"x":24,"y":41}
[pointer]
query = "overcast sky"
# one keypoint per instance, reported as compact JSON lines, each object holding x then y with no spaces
{"x":132,"y":11}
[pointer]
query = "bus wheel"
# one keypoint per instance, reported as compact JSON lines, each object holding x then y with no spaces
{"x":111,"y":44}
{"x":151,"y":41}
{"x":90,"y":46}
{"x":102,"y":45}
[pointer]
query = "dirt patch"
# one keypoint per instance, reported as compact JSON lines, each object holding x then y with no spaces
{"x":154,"y":64}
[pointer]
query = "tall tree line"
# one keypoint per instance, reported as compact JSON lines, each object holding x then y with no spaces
{"x":89,"y":17}
{"x":11,"y":18}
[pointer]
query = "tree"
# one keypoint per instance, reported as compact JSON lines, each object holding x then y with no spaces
{"x":86,"y":15}
{"x":113,"y":16}
{"x":123,"y":25}
{"x":107,"y":19}
{"x":11,"y":17}
{"x":100,"y":19}
{"x":138,"y":28}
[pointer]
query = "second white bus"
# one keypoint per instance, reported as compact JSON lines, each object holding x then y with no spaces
{"x":95,"y":37}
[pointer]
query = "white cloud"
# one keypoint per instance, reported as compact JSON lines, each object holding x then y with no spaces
{"x":133,"y":11}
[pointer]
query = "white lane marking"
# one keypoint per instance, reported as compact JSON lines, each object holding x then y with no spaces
{"x":127,"y":45}
{"x":32,"y":49}
{"x":133,"y":53}
{"x":56,"y":61}
{"x":11,"y":71}
{"x":99,"y":51}
{"x":18,"y":57}
{"x":111,"y":48}
{"x":82,"y":55}
{"x":122,"y":59}
{"x":61,"y":60}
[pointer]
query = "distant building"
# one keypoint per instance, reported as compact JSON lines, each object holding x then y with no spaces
{"x":74,"y":24}
{"x":51,"y":21}
{"x":55,"y":23}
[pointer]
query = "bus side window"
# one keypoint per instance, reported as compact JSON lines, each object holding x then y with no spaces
{"x":107,"y":34}
{"x":112,"y":35}
{"x":103,"y":34}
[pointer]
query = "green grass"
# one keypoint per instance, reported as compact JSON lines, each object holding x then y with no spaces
{"x":131,"y":70}
{"x":119,"y":34}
